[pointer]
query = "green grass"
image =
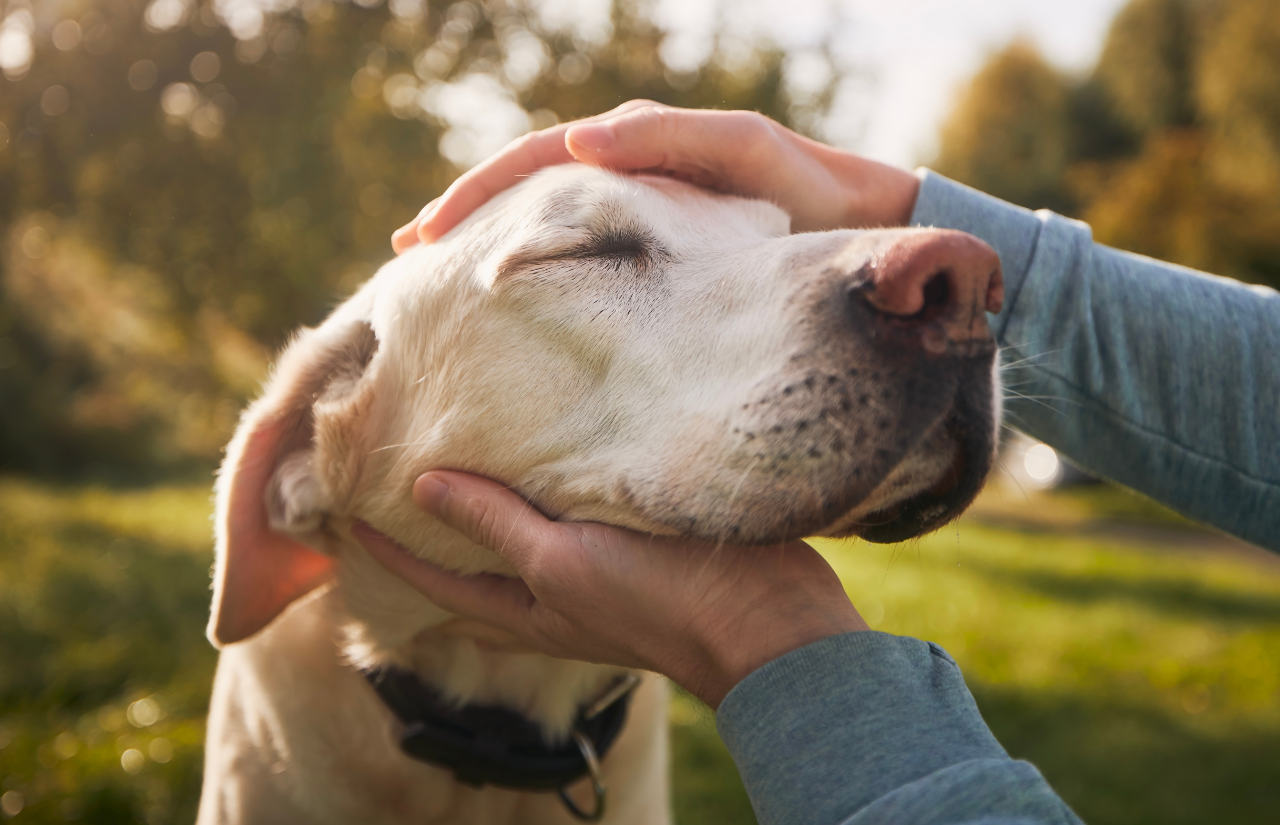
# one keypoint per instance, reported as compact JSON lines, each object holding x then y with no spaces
{"x":1141,"y":679}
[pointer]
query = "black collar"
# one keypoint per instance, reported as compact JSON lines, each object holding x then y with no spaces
{"x":491,"y":745}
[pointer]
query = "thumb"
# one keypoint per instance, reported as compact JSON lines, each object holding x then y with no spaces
{"x":494,"y":600}
{"x":488,"y":514}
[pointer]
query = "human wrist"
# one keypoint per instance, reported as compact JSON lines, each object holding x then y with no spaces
{"x":880,"y":195}
{"x":735,"y":651}
{"x":874,"y":194}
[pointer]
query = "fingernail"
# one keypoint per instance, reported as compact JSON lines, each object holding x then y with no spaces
{"x":429,"y":492}
{"x":592,"y":135}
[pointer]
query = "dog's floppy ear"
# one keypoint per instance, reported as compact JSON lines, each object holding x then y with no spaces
{"x":270,"y":498}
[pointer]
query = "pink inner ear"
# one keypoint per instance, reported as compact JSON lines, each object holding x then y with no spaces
{"x":260,"y":572}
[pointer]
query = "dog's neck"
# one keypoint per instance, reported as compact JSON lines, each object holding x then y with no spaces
{"x":381,"y":622}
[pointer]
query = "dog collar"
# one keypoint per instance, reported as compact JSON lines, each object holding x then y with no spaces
{"x":491,"y":745}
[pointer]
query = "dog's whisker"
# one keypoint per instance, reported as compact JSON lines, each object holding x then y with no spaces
{"x":734,"y":495}
{"x":1025,"y":360}
{"x":1039,"y":400}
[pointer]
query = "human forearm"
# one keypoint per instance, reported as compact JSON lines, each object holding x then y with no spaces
{"x":870,"y":727}
{"x":1155,"y":376}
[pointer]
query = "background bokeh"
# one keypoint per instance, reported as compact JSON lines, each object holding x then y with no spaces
{"x":184,"y":182}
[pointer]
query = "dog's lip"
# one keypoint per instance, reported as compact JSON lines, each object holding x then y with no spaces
{"x":923,"y":512}
{"x":944,"y":486}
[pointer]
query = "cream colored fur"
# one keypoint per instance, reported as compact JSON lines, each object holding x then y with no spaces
{"x":626,"y":350}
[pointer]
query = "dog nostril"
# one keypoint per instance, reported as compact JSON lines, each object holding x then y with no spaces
{"x":937,"y":292}
{"x":937,"y":297}
{"x":932,"y":302}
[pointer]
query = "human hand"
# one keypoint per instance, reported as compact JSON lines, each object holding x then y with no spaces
{"x":742,"y":153}
{"x":704,"y":615}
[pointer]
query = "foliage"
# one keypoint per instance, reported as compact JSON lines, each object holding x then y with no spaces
{"x":183,"y":183}
{"x":103,"y":598}
{"x":1169,"y":147}
{"x":1010,"y":129}
{"x":1139,"y":675}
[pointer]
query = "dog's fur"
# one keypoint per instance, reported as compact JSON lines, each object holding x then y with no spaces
{"x":627,"y":350}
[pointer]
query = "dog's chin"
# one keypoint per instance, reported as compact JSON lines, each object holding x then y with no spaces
{"x":926,"y":506}
{"x":921,"y":513}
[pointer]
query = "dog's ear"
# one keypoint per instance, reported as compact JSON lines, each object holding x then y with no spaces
{"x":270,"y":496}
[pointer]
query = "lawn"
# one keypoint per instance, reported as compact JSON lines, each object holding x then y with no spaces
{"x":1135,"y":660}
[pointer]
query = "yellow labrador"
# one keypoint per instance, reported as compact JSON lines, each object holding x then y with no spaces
{"x":629,"y":350}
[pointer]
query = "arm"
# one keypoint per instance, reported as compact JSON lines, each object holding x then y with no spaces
{"x":1158,"y":377}
{"x":869,"y":727}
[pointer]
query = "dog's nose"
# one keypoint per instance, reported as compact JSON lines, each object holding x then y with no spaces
{"x":937,"y":282}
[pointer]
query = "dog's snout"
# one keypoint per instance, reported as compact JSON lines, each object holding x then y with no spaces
{"x":937,"y":282}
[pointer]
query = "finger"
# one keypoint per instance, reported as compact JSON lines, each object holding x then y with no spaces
{"x":522,"y":157}
{"x":475,"y":187}
{"x":499,"y":601}
{"x":711,"y":148}
{"x":407,"y":235}
{"x":490,"y":515}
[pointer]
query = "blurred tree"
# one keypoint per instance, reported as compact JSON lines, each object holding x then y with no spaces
{"x":1146,"y":63}
{"x":1009,"y":134}
{"x":184,"y":182}
{"x":1238,"y":90}
{"x":1170,"y":147}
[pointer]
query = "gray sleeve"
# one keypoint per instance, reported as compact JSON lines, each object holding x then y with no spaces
{"x":1160,"y":378}
{"x":870,"y":728}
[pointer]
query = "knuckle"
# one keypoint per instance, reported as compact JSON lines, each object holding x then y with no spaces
{"x":653,"y":117}
{"x":520,"y":145}
{"x":754,"y":128}
{"x":538,"y":557}
{"x":484,"y":520}
{"x":634,"y":104}
{"x":756,"y":138}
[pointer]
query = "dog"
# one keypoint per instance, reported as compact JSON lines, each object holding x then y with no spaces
{"x":624,"y":349}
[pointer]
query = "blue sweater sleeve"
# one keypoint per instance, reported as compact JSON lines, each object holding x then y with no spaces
{"x":873,"y":728}
{"x":1158,"y":377}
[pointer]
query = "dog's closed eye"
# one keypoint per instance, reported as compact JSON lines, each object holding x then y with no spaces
{"x":620,"y":248}
{"x":617,"y":244}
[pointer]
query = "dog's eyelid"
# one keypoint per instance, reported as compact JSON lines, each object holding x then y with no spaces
{"x":620,"y":243}
{"x":613,"y":243}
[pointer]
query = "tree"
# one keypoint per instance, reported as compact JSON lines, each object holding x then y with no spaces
{"x":1009,"y":132}
{"x":1169,"y":147}
{"x":179,"y":191}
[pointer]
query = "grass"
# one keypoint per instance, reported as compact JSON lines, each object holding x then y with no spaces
{"x":1139,"y":668}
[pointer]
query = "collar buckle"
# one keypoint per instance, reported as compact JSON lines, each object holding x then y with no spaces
{"x":588,"y":751}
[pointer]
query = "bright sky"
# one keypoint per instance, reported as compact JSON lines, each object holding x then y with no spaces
{"x":922,"y":51}
{"x":917,"y":52}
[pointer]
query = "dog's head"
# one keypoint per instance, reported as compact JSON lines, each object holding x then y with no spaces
{"x":627,"y":350}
